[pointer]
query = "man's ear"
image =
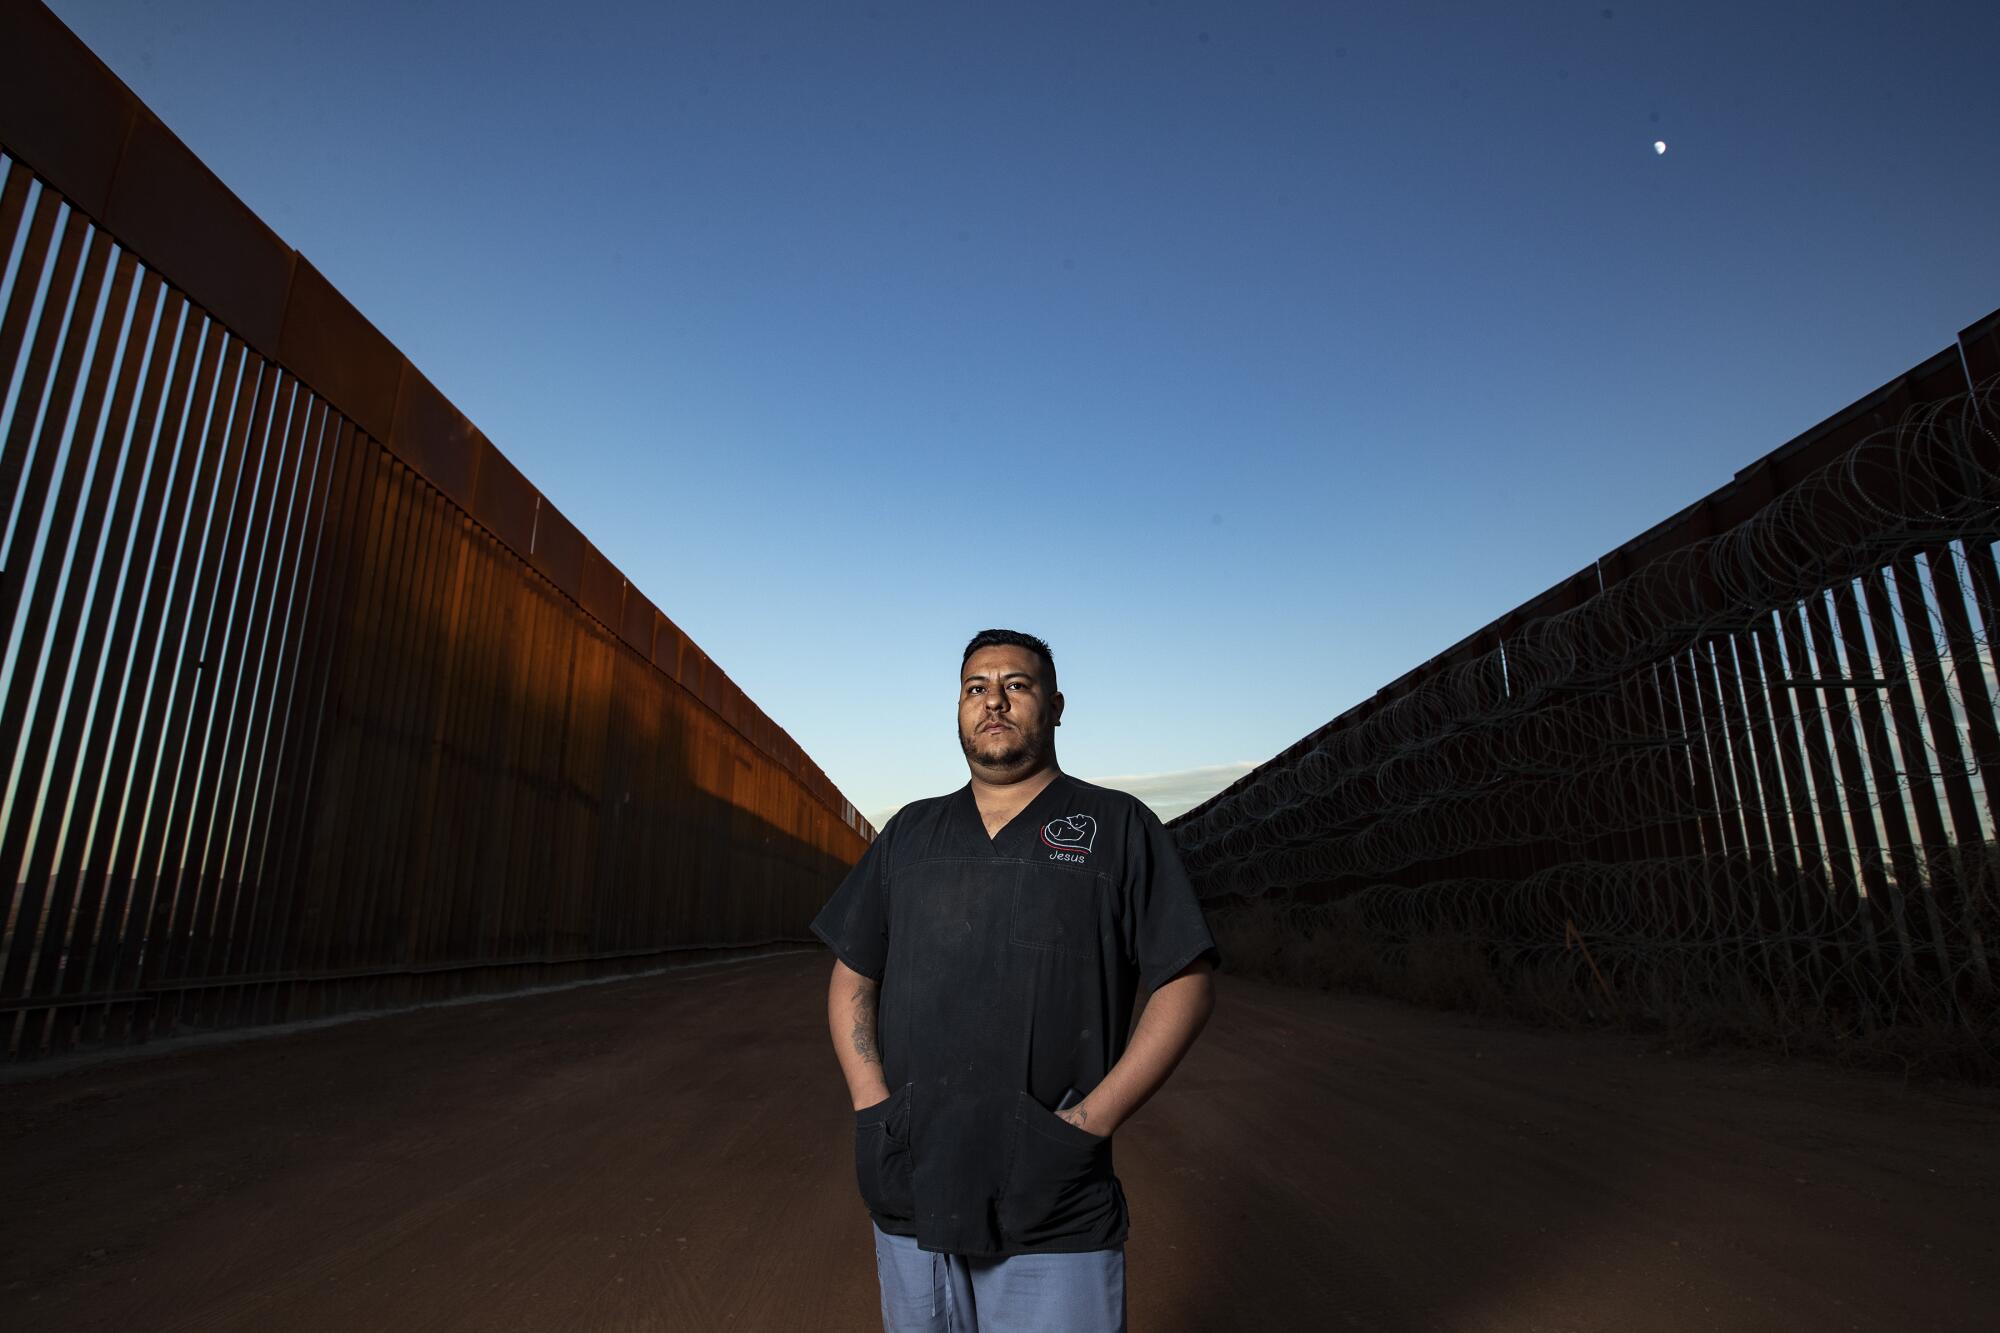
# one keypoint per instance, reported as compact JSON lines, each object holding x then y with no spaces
{"x":1056,"y":700}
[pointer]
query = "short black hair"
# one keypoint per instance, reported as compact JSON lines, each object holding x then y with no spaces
{"x":1012,"y":638}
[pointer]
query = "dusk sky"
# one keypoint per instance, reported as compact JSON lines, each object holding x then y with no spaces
{"x":1251,"y":354}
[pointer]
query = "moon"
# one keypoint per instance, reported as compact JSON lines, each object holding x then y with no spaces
{"x":1659,"y":147}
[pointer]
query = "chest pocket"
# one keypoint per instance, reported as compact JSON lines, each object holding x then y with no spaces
{"x":1056,"y":909}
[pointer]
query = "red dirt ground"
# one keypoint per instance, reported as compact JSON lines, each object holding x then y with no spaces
{"x":674,"y":1152}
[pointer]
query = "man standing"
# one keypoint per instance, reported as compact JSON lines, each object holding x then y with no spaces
{"x":989,"y":950}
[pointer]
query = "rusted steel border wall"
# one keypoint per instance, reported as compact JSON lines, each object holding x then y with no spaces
{"x":1747,"y":761}
{"x":311,"y":701}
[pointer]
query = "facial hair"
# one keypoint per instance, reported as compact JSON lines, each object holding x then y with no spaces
{"x":1021,"y":754}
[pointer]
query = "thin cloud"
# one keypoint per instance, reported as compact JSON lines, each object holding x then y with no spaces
{"x":1168,"y":794}
{"x":1179,"y":791}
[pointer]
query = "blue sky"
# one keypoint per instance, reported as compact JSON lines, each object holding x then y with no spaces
{"x":1251,"y":354}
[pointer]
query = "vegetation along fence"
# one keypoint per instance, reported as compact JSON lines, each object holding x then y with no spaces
{"x":311,"y":702}
{"x":1741,"y":771}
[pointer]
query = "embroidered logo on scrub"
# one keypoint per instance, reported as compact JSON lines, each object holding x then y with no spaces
{"x":1072,"y":833}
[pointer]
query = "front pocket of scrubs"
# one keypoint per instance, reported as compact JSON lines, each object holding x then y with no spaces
{"x":1056,"y":909}
{"x":882,"y":1156}
{"x":1060,"y":1186}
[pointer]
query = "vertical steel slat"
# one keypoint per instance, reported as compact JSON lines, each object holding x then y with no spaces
{"x":31,"y":741}
{"x":479,"y":732}
{"x":1975,"y":667}
{"x":1717,"y":759}
{"x":500,"y":809}
{"x":401,"y":552}
{"x":1811,"y":887}
{"x":441,"y":677}
{"x":72,"y":518}
{"x":221,"y":565}
{"x":233,"y":649}
{"x":1782,"y":889}
{"x":1916,"y":666}
{"x":513,"y":649}
{"x":225,"y":656}
{"x":1773,"y":866}
{"x":600,"y":837}
{"x":80,"y":624}
{"x":304,"y":793}
{"x":1920,"y":798}
{"x":314,"y":856}
{"x":586,"y":752}
{"x":107,"y":755}
{"x":583,"y":641}
{"x":181,"y":663}
{"x":377,"y":708}
{"x":1851,"y":807}
{"x":1688,"y":840}
{"x":1746,"y":784}
{"x":182,"y":442}
{"x":494,"y":653}
{"x":290,"y":608}
{"x":253,"y":665}
{"x":436,"y":819}
{"x":408,"y":715}
{"x":413,"y":635}
{"x":504,"y":932}
{"x":527,"y":861}
{"x":451,"y":759}
{"x":1948,"y":890}
{"x":1841,"y":884}
{"x":662,"y":761}
{"x":20,"y":296}
{"x":292,"y":732}
{"x":1978,"y":867}
{"x":1650,"y":748}
{"x":1889,"y":805}
{"x":625,"y":729}
{"x":626,"y":879}
{"x":75,"y":312}
{"x":501,"y":644}
{"x":581,"y":744}
{"x":337,"y":847}
{"x":18,"y":444}
{"x":1700,"y":764}
{"x":1979,"y":723}
{"x":275,"y":636}
{"x":1662,"y":695}
{"x":1615,"y":843}
{"x":686,"y":788}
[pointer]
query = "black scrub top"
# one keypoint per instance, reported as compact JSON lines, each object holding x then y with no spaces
{"x":1009,"y":970}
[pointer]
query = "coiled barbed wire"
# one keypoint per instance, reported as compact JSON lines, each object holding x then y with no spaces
{"x":1504,"y":718}
{"x":1766,"y":751}
{"x":1708,"y":932}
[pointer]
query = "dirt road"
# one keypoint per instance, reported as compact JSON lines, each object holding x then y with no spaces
{"x":674,"y":1153}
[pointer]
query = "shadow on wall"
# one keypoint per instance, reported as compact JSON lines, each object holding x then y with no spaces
{"x":474,"y":788}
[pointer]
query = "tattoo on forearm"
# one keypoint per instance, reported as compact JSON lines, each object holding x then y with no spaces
{"x":863,"y":1036}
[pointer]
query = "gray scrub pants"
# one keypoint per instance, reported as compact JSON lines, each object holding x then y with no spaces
{"x":926,"y":1292}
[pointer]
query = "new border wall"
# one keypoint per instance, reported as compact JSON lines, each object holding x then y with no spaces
{"x":310,"y":701}
{"x":1741,"y":773}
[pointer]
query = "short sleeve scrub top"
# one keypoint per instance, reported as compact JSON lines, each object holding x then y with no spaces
{"x":1009,"y":969}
